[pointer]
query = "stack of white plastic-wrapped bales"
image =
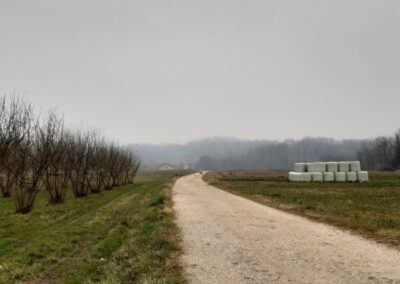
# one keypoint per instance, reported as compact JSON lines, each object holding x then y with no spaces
{"x":328,"y":172}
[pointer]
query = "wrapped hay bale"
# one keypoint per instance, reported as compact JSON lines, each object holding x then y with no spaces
{"x":344,"y":166}
{"x":305,"y":177}
{"x":329,"y":176}
{"x":300,"y":177}
{"x":332,"y":167}
{"x":316,"y":167}
{"x":355,"y":166}
{"x":293,"y":176}
{"x":300,"y":167}
{"x":362,"y":176}
{"x":340,"y":176}
{"x":317,"y":176}
{"x":351,"y":176}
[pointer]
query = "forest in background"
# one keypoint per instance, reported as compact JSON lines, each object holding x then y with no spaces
{"x":381,"y":153}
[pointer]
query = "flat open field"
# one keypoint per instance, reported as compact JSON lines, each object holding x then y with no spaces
{"x":124,"y":235}
{"x":371,"y":209}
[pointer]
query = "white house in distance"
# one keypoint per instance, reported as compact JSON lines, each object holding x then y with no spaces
{"x":166,"y":167}
{"x":182,"y":166}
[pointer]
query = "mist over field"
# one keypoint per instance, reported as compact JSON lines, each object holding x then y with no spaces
{"x":232,"y":154}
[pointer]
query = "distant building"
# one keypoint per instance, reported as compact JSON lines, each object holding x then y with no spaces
{"x":166,"y":167}
{"x":182,"y":166}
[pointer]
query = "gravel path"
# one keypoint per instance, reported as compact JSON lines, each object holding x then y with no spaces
{"x":229,"y":239}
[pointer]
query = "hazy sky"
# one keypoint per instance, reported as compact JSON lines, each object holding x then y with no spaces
{"x":172,"y":71}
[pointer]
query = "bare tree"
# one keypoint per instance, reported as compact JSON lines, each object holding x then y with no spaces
{"x":56,"y":171}
{"x":79,"y":159}
{"x":27,"y":167}
{"x":15,"y":119}
{"x":396,"y":162}
{"x":96,"y":162}
{"x":38,"y":153}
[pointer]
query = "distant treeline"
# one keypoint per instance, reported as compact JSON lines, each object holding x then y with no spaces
{"x":231,"y":153}
{"x":382,"y":153}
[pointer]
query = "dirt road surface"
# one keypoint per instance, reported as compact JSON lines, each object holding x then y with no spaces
{"x":229,"y":239}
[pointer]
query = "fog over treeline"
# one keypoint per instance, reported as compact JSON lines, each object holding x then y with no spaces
{"x":233,"y":154}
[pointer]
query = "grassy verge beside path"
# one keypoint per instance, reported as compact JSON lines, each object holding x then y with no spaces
{"x":126,"y":235}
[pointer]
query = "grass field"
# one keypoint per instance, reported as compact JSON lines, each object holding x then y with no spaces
{"x":126,"y":235}
{"x":371,"y":209}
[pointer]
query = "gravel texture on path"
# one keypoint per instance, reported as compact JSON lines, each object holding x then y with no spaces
{"x":229,"y":239}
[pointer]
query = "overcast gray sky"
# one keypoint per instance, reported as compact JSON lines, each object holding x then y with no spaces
{"x":172,"y":71}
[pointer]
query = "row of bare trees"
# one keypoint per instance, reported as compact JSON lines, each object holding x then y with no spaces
{"x":382,"y":153}
{"x":38,"y":153}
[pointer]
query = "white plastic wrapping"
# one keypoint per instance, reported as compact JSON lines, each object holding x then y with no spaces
{"x":316,"y":167}
{"x":344,"y":166}
{"x":329,"y":176}
{"x":351,"y":176}
{"x":340,"y":176}
{"x":363,"y":176}
{"x":355,"y":166}
{"x":317,"y":176}
{"x":300,"y":177}
{"x":300,"y":167}
{"x":293,"y":176}
{"x":328,"y":172}
{"x":332,"y":167}
{"x":305,"y":177}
